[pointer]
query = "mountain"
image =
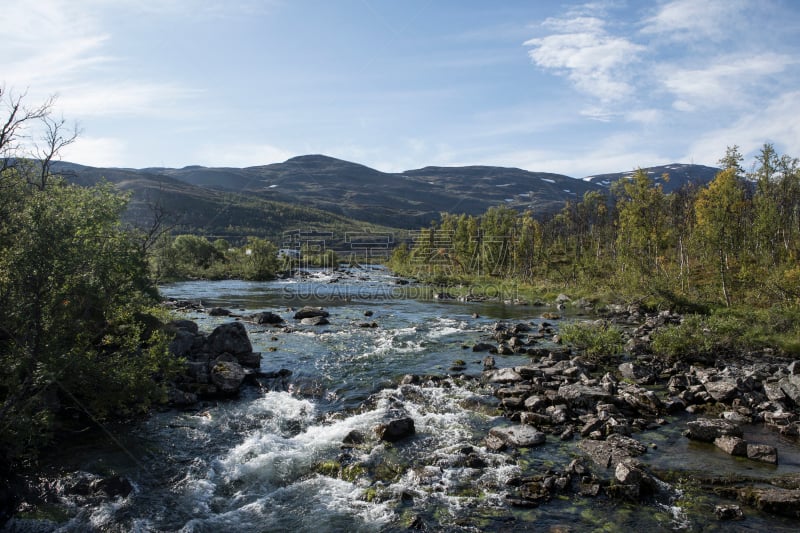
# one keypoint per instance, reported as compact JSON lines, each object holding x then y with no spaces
{"x":405,"y":200}
{"x":325,"y":193}
{"x":678,"y":174}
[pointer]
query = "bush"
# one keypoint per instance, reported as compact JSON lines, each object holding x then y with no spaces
{"x":595,"y":339}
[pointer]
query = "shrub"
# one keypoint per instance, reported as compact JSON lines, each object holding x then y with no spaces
{"x":595,"y":339}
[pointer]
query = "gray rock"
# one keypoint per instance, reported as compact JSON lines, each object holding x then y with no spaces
{"x":521,"y":436}
{"x":632,"y":473}
{"x":578,"y":394}
{"x":731,"y":445}
{"x":227,"y":376}
{"x":763,"y":453}
{"x":782,"y":502}
{"x":267,"y":318}
{"x":396,"y":430}
{"x":231,"y":338}
{"x":315,"y":321}
{"x":484,"y":347}
{"x":502,"y":375}
{"x":708,"y":429}
{"x":309,"y":312}
{"x":608,"y":453}
{"x":723,"y":390}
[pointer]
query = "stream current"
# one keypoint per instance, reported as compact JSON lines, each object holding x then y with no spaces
{"x":262,"y":462}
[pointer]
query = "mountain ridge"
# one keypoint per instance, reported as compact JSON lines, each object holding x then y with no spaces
{"x":333,"y":191}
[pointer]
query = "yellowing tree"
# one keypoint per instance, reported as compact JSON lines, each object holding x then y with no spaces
{"x":720,"y":212}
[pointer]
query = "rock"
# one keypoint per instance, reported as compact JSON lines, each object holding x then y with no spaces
{"x":229,"y":338}
{"x":723,"y":390}
{"x":180,"y":398}
{"x":610,"y":452}
{"x":186,"y":325}
{"x":396,"y":430}
{"x":488,"y":363}
{"x":791,"y":388}
{"x":763,"y":453}
{"x":502,"y":375}
{"x":310,"y":312}
{"x":632,"y":473}
{"x":182,"y":343}
{"x":728,"y":512}
{"x":484,"y":347}
{"x":267,"y":317}
{"x":219,"y":311}
{"x":112,"y":487}
{"x":534,"y":491}
{"x":731,"y":445}
{"x":521,"y":436}
{"x":578,"y":394}
{"x":227,"y":376}
{"x":784,"y":502}
{"x":315,"y":321}
{"x":354,"y":438}
{"x":708,"y":429}
{"x":774,"y":391}
{"x":635,"y":372}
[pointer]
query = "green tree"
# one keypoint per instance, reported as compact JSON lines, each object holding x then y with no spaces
{"x":261,"y":261}
{"x":643,"y":231}
{"x":720,"y":212}
{"x":77,"y":329}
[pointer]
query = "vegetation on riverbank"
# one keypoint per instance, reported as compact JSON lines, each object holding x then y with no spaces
{"x":733,"y":244}
{"x":80,"y":335}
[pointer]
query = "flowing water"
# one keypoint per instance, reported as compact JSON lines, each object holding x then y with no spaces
{"x":273,"y":459}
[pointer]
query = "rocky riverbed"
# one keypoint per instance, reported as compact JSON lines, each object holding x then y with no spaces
{"x":514,"y":431}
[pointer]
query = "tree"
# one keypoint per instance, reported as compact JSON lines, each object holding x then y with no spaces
{"x":642,"y":222}
{"x":77,"y":330}
{"x":719,"y":212}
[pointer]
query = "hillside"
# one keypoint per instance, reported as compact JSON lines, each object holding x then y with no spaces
{"x":678,"y":175}
{"x":317,"y":192}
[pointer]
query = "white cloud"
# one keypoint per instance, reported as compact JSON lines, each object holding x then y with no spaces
{"x":774,"y":123}
{"x":722,"y":83}
{"x":240,"y":155}
{"x":694,"y":20}
{"x":96,"y":151}
{"x":594,"y":60}
{"x":124,"y":98}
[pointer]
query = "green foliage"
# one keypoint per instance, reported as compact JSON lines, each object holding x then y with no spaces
{"x":595,"y":339}
{"x":76,"y":324}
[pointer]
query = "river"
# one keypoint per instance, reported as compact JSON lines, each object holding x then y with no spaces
{"x":272,"y":459}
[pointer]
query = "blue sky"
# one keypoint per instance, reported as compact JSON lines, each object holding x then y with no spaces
{"x":574,"y":88}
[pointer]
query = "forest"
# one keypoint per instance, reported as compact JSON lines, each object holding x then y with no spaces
{"x":726,"y":252}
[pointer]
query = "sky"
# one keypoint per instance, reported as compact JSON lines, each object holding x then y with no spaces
{"x":574,"y":88}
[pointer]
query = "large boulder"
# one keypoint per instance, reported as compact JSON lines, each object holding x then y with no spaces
{"x":782,"y":502}
{"x":636,"y":480}
{"x":396,"y":429}
{"x":722,"y":390}
{"x":227,"y":376}
{"x":521,"y":436}
{"x":229,"y":338}
{"x":708,"y":429}
{"x":578,"y":394}
{"x":762,"y":452}
{"x":608,"y":453}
